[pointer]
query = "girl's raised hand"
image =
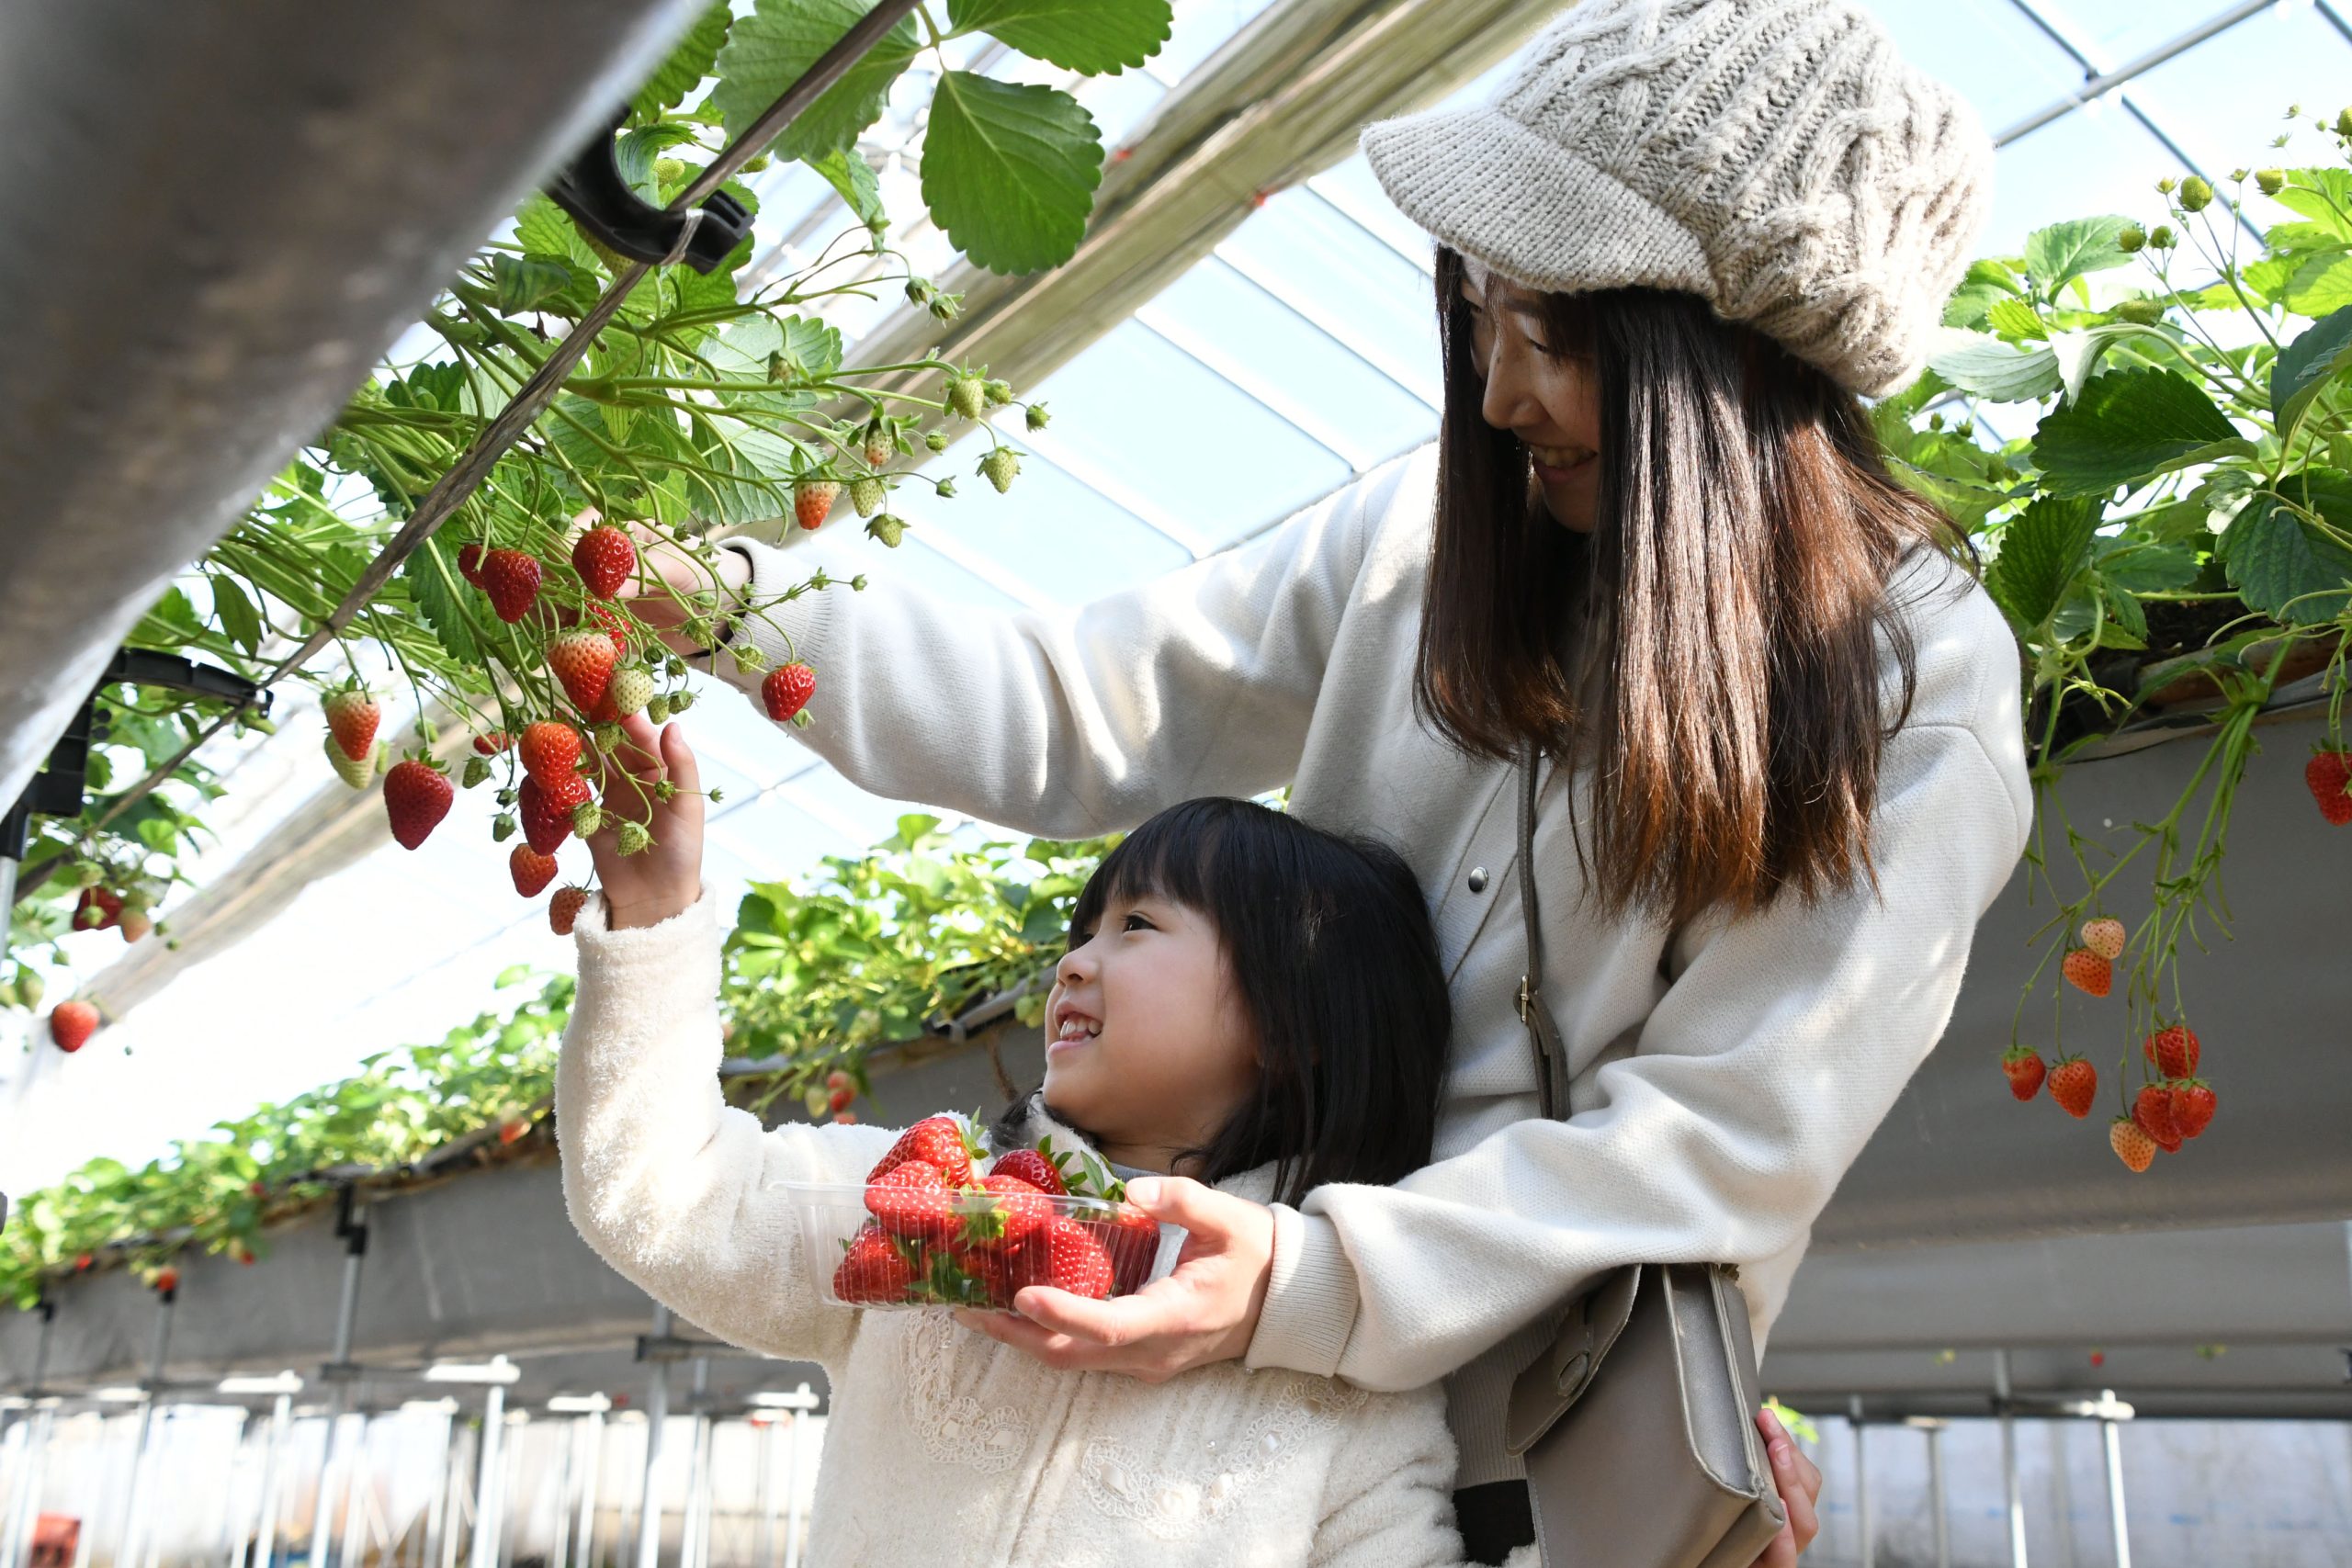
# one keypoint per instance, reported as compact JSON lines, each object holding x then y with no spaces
{"x":674,"y":588}
{"x":665,"y":878}
{"x":1207,"y":1311}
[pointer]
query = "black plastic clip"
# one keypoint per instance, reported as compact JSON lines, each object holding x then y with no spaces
{"x":591,"y":189}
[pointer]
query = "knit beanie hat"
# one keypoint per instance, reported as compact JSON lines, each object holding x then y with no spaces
{"x":1775,"y":157}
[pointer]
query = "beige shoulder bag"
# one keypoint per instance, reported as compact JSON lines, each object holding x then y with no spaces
{"x":1638,"y":1425}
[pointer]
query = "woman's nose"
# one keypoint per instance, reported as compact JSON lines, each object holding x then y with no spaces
{"x":1508,"y":393}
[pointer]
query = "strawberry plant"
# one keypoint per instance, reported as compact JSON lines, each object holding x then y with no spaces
{"x":2167,"y":513}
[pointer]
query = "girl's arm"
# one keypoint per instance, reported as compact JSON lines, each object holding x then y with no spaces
{"x":1073,"y":722}
{"x":666,"y":1180}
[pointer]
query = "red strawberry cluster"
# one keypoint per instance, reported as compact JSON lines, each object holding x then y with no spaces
{"x":944,"y":1232}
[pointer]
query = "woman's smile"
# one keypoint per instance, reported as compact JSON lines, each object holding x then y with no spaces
{"x":1560,"y":464}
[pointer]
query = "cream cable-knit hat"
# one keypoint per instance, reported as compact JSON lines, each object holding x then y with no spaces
{"x":1775,"y":156}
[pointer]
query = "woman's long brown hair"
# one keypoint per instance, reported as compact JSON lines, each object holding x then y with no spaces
{"x":1746,"y":533}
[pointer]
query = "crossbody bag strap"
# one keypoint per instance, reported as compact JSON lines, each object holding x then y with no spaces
{"x":1551,"y":1059}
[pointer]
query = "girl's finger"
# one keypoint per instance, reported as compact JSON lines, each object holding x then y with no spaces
{"x":679,"y":759}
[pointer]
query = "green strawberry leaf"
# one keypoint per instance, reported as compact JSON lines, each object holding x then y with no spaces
{"x":689,"y":60}
{"x":2318,"y":353}
{"x":2058,"y":254}
{"x":771,"y":48}
{"x":239,"y":620}
{"x":1010,"y":171}
{"x":2284,"y":565}
{"x":523,"y":283}
{"x":434,"y":584}
{"x":2126,"y":427}
{"x":1091,"y":37}
{"x":2042,"y":551}
{"x":854,"y":178}
{"x":1998,"y":371}
{"x":1986,"y":284}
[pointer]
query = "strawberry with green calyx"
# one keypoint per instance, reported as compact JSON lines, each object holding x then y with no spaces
{"x":1000,"y":464}
{"x":167,"y":1280}
{"x":631,"y":689}
{"x":351,"y":717}
{"x":531,"y":870}
{"x":2088,"y":971}
{"x":914,"y":1201}
{"x":604,"y":558}
{"x":866,"y":494}
{"x":608,"y":621}
{"x":2329,"y":775}
{"x":878,"y":447}
{"x":999,"y":393}
{"x":547,"y":809}
{"x":967,"y":396}
{"x":582,"y":661}
{"x":357,"y":773}
{"x":2024,"y":1067}
{"x":1132,"y":1238}
{"x":71,"y":1024}
{"x":945,"y":1143}
{"x":135,"y":924}
{"x":2172,"y":1052}
{"x":492,"y":743}
{"x":975,"y":1277}
{"x":470,"y":559}
{"x":1040,"y":1168}
{"x":476,"y":771}
{"x":786,"y":690}
{"x":876,"y":1268}
{"x":2131,"y":1144}
{"x":2104,"y":936}
{"x":887,"y":530}
{"x":511,"y":578}
{"x":549,"y":751}
{"x":501,"y":826}
{"x":1066,"y":1256}
{"x":1012,"y":1213}
{"x":2074,"y":1083}
{"x":564,"y":908}
{"x":416,"y":796}
{"x":1037,"y":416}
{"x":96,"y":909}
{"x":657,"y":711}
{"x":935,"y":440}
{"x":2151,"y":1109}
{"x":2192,"y":1106}
{"x":812,"y":503}
{"x":586,"y":819}
{"x":633,"y":837}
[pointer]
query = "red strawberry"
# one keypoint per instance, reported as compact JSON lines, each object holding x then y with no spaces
{"x":2151,"y":1109}
{"x":989,"y":1273}
{"x":547,"y":810}
{"x":1132,"y":1238}
{"x":492,"y":744}
{"x":840,"y":1099}
{"x":135,"y":924}
{"x":2130,"y":1143}
{"x":812,"y":501}
{"x":2192,"y":1107}
{"x":470,"y":559}
{"x":416,"y":796}
{"x":609,"y":621}
{"x":2104,"y":936}
{"x":1014,"y":1213}
{"x":167,"y":1279}
{"x":351,"y":717}
{"x":786,"y":690}
{"x":511,"y":1131}
{"x":550,"y":751}
{"x":1067,"y":1257}
{"x":82,"y":1262}
{"x":532,"y":871}
{"x":2024,"y":1065}
{"x":2074,"y":1083}
{"x":604,"y":557}
{"x":875,"y":1270}
{"x":583,"y":659}
{"x":97,"y":908}
{"x":2172,"y":1052}
{"x":2089,"y":971}
{"x":1030,"y":1165}
{"x":940,"y":1142}
{"x":2329,"y":773}
{"x":511,"y":578}
{"x":564,"y":908}
{"x":912,"y":1200}
{"x":71,"y":1024}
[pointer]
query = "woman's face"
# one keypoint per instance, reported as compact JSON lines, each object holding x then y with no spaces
{"x":1549,"y":399}
{"x":1147,"y":1045}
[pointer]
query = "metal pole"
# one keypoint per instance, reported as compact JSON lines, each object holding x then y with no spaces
{"x":1866,"y":1555}
{"x":126,"y":1542}
{"x":489,"y":1491}
{"x":592,"y":1480}
{"x":36,"y":1460}
{"x":16,"y":1520}
{"x":227,"y":1548}
{"x":437,"y":1506}
{"x":763,"y":1498}
{"x":356,"y":1484}
{"x":657,"y":1411}
{"x":2112,"y":1437}
{"x":1935,"y":1494}
{"x":2009,"y":1459}
{"x":794,"y":1525}
{"x":693,"y":1549}
{"x":282,"y":1417}
{"x":351,"y":1225}
{"x":567,"y":1452}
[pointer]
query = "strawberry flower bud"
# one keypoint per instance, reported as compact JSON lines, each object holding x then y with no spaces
{"x":2196,"y":193}
{"x":2161,"y":238}
{"x":2270,"y":182}
{"x":2130,"y":238}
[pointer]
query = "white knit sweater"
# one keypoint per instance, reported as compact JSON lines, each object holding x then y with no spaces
{"x":1724,"y":1075}
{"x":942,"y":1447}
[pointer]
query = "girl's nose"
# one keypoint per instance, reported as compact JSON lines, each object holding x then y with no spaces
{"x":1075,"y":966}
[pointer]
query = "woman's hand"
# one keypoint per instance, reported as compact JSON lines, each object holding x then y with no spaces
{"x":665,"y":878}
{"x":672,"y":588}
{"x":1205,"y":1311}
{"x":1799,"y":1480}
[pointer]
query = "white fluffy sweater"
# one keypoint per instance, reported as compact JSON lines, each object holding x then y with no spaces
{"x":1724,"y":1075}
{"x":945,"y":1447}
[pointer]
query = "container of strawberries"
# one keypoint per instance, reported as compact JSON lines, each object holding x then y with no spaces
{"x":940,"y":1221}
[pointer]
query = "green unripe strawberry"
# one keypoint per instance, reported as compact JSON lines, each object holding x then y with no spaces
{"x":888,"y":529}
{"x":1038,"y":417}
{"x":2130,"y":238}
{"x":2166,"y":185}
{"x":2270,"y":182}
{"x":502,"y":827}
{"x":969,"y":396}
{"x":631,"y":838}
{"x":29,"y":987}
{"x":658,"y":710}
{"x":2161,"y":238}
{"x":866,"y":494}
{"x":935,"y":440}
{"x":945,"y":490}
{"x":631,"y":689}
{"x":2141,"y":312}
{"x":681,"y":701}
{"x":477,"y":770}
{"x":998,"y":393}
{"x":1000,"y":464}
{"x":748,"y":658}
{"x":586,"y":817}
{"x":607,"y":736}
{"x":2343,"y":122}
{"x":2196,"y":193}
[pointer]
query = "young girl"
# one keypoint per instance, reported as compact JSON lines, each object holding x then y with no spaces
{"x":1246,"y":1001}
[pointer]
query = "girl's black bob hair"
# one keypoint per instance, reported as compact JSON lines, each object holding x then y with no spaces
{"x":1331,"y":950}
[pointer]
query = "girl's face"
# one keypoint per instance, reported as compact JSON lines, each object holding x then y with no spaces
{"x":1549,"y":399}
{"x":1147,"y":1045}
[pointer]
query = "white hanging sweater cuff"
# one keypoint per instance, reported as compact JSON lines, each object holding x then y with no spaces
{"x":1310,"y":1307}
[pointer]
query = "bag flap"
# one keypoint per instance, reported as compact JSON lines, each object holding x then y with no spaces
{"x":1543,"y":1393}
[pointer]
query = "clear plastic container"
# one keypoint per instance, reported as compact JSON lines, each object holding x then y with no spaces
{"x":970,"y":1250}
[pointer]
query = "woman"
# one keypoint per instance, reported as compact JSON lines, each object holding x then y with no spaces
{"x":1656,"y":542}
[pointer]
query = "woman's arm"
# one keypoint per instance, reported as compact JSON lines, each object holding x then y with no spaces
{"x":1072,"y":722}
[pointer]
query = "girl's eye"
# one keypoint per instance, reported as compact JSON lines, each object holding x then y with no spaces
{"x":1138,"y":917}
